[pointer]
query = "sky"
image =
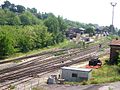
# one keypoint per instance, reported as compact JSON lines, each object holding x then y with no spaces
{"x":84,"y":11}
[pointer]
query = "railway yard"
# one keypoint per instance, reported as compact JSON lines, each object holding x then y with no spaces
{"x":41,"y":49}
{"x":44,"y":63}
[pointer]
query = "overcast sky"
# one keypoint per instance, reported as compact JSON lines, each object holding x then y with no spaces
{"x":86,"y":11}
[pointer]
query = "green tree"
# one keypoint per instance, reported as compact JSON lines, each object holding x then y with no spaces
{"x":90,"y":31}
{"x":118,"y":60}
{"x":62,"y":29}
{"x":45,"y":15}
{"x":28,"y":18}
{"x":9,"y":18}
{"x":20,"y":8}
{"x":13,"y":8}
{"x":3,"y":20}
{"x":53,"y":27}
{"x":6,"y":5}
{"x":25,"y":20}
{"x":43,"y":38}
{"x":62,"y":25}
{"x":39,"y":15}
{"x":6,"y":44}
{"x":32,"y":10}
{"x":26,"y":39}
{"x":14,"y":21}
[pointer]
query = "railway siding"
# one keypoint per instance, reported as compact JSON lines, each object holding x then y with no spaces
{"x":49,"y":64}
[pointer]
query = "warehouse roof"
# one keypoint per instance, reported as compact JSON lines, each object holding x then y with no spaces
{"x":115,"y":42}
{"x":77,"y":69}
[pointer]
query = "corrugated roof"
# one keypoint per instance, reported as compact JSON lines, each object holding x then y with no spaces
{"x":115,"y":42}
{"x":78,"y":69}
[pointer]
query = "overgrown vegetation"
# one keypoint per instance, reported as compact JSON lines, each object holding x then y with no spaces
{"x":22,"y":30}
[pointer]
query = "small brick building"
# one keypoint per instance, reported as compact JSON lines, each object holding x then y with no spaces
{"x":114,"y":48}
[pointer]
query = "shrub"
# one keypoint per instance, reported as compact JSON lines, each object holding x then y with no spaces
{"x":84,"y":83}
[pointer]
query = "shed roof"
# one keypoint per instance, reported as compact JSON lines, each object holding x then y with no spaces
{"x":115,"y":42}
{"x":77,"y":69}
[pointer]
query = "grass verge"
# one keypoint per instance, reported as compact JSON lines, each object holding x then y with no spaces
{"x":105,"y":74}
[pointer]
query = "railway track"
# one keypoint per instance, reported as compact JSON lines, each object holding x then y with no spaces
{"x":52,"y":60}
{"x":24,"y":64}
{"x":39,"y":60}
{"x":40,"y":66}
{"x":38,"y":54}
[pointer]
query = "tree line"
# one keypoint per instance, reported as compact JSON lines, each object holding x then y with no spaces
{"x":22,"y":30}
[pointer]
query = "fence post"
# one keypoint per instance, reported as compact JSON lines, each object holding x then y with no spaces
{"x":31,"y":85}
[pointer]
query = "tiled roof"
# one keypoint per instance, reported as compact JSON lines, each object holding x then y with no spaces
{"x":115,"y":42}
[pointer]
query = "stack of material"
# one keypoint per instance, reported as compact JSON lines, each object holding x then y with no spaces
{"x":52,"y":79}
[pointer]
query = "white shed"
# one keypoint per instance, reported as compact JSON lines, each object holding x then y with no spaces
{"x":75,"y":74}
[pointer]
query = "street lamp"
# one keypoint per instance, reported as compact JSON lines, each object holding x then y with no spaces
{"x":113,"y":4}
{"x":112,"y":26}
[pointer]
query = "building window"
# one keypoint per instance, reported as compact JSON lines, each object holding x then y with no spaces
{"x":74,"y":75}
